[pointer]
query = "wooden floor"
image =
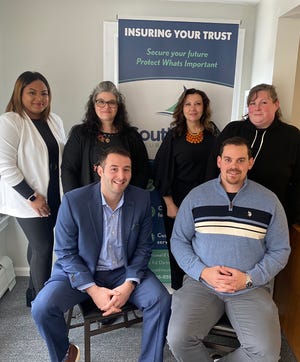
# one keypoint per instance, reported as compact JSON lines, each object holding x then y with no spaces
{"x":287,"y":294}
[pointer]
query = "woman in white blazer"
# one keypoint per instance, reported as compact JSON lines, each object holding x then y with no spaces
{"x":31,"y":144}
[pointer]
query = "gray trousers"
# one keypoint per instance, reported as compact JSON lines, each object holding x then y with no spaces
{"x":197,"y":308}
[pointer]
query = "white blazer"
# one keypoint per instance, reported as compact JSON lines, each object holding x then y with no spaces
{"x":24,"y":155}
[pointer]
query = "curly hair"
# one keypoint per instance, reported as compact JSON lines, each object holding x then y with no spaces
{"x":91,"y":120}
{"x":179,"y":124}
{"x":15,"y":103}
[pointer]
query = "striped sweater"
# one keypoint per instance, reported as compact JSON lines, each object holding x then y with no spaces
{"x":249,"y":233}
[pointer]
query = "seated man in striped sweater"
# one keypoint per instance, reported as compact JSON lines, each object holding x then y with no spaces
{"x":231,"y":238}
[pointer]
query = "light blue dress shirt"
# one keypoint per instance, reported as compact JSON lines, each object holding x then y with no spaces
{"x":111,"y":254}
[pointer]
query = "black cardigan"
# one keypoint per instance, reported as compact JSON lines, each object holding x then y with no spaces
{"x":77,"y":169}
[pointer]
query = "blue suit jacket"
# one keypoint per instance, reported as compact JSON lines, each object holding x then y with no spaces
{"x":79,"y":234}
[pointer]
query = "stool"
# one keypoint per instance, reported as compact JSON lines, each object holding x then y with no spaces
{"x":92,"y":322}
{"x":222,"y":329}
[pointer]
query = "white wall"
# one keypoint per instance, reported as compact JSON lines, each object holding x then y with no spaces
{"x":268,"y":13}
{"x":13,"y":244}
{"x":264,"y":44}
{"x":16,"y":245}
{"x":295,"y":117}
{"x":285,"y":64}
{"x":275,"y":52}
{"x":3,"y":235}
{"x":63,"y":40}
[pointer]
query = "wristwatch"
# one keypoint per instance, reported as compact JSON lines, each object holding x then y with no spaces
{"x":32,"y":197}
{"x":249,"y":282}
{"x":133,"y":282}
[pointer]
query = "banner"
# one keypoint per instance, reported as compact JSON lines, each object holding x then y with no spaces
{"x":158,"y":59}
{"x":177,"y":50}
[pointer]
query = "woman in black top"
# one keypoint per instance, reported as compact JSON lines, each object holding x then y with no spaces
{"x":275,"y":148}
{"x":105,"y":124}
{"x":181,"y":160}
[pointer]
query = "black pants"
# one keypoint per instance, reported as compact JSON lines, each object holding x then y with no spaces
{"x":176,"y":272}
{"x":40,"y":236}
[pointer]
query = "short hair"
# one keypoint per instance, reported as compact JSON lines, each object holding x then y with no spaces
{"x":15,"y":103}
{"x":267,"y":88}
{"x":237,"y":141}
{"x":114,"y":149}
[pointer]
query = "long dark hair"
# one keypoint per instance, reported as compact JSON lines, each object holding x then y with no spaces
{"x":15,"y":103}
{"x":91,"y":121}
{"x":179,"y":123}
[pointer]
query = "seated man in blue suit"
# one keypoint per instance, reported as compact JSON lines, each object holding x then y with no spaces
{"x":103,"y":246}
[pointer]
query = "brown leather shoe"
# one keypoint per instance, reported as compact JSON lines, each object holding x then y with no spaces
{"x":73,"y":353}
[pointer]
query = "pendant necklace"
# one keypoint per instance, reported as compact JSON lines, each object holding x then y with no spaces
{"x":104,"y":137}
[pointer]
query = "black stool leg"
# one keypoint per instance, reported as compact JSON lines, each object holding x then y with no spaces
{"x":69,"y":319}
{"x":87,"y":341}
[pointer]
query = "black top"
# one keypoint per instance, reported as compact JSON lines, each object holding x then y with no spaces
{"x":180,"y":165}
{"x":80,"y":154}
{"x":277,"y":160}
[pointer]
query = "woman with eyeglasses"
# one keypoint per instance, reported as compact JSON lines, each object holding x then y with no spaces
{"x":105,"y":124}
{"x":180,"y":162}
{"x":31,"y":144}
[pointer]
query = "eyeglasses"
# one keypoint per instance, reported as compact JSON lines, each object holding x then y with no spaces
{"x":101,"y":103}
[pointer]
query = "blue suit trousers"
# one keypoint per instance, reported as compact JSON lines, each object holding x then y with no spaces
{"x":57,"y":296}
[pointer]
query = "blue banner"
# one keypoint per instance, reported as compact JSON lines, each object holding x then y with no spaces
{"x":157,"y":61}
{"x":152,"y":49}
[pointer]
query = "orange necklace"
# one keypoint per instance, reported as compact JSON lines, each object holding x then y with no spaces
{"x":194,"y":137}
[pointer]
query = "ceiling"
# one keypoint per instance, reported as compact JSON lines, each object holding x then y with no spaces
{"x":237,"y":2}
{"x":294,"y":13}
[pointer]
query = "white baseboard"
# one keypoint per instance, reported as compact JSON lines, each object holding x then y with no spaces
{"x":22,"y":272}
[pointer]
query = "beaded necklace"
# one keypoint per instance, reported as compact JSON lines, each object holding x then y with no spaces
{"x":194,"y":137}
